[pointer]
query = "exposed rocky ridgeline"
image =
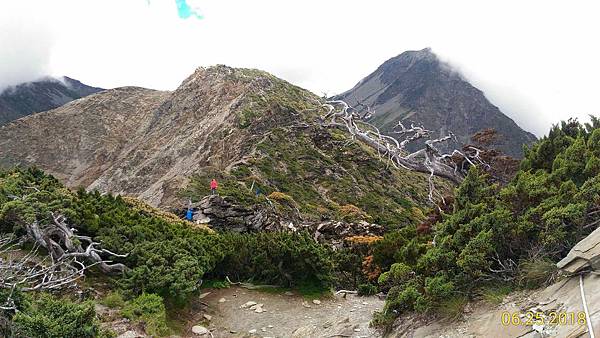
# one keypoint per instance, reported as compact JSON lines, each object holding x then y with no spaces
{"x":245,"y":127}
{"x":38,"y":96}
{"x":416,"y":86}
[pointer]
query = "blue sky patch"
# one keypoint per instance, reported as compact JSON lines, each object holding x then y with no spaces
{"x":185,"y":11}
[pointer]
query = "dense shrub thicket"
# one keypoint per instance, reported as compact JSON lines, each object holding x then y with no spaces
{"x":166,"y":257}
{"x":496,"y":233}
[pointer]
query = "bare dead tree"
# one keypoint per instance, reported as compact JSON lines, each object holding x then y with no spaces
{"x":65,"y":259}
{"x":430,"y":159}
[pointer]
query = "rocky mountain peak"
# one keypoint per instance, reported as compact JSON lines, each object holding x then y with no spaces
{"x":417,"y":87}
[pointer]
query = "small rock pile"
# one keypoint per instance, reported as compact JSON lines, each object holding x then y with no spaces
{"x":253,"y":306}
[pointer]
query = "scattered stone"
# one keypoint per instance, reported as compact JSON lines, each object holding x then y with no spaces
{"x":270,"y":326}
{"x":352,"y":310}
{"x":129,"y":334}
{"x":357,"y":330}
{"x":253,"y":331}
{"x":248,"y":304}
{"x":263,"y":329}
{"x":365,"y":303}
{"x":305,"y":304}
{"x":345,"y":320}
{"x":199,"y":330}
{"x":207,"y":317}
{"x":316,"y":302}
{"x":222,"y":300}
{"x":289,"y":293}
{"x":233,"y":331}
{"x":202,"y":295}
{"x":259,"y":308}
{"x":327,"y":325}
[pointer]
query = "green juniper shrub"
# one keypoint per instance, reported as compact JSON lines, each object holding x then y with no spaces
{"x":347,"y":270}
{"x":51,"y":317}
{"x":367,"y":289}
{"x":113,"y":300}
{"x":282,"y":258}
{"x":150,"y":310}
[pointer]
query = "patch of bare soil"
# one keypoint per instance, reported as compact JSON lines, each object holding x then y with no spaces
{"x":237,"y":312}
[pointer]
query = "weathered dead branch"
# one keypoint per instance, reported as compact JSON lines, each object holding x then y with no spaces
{"x":430,"y":160}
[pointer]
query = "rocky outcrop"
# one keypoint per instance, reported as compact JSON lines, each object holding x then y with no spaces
{"x":147,"y":143}
{"x":584,"y":255}
{"x":222,"y":213}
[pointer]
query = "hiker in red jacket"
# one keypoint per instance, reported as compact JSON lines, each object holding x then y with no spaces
{"x":213,"y":186}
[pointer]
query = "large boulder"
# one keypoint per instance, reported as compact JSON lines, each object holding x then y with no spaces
{"x":584,"y":254}
{"x":222,"y":213}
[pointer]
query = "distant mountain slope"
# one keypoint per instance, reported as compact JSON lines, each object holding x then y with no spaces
{"x":246,"y":127}
{"x":416,"y":86}
{"x":34,"y":97}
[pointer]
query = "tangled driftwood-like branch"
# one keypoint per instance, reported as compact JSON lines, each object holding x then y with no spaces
{"x":66,"y":260}
{"x":429,"y":160}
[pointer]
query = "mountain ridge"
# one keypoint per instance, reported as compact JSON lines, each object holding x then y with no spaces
{"x":244,"y":126}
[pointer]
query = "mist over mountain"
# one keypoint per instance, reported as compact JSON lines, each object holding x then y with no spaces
{"x":41,"y":95}
{"x":416,"y":87}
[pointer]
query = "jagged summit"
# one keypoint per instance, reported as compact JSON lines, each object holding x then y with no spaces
{"x":41,"y":95}
{"x":416,"y":86}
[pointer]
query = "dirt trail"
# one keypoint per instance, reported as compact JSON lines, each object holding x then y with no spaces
{"x":286,"y":315}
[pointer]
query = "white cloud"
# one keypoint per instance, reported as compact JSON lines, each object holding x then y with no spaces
{"x":536,"y":60}
{"x":25,"y":42}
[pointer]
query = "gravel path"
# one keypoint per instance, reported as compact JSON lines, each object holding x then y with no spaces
{"x":285,"y":315}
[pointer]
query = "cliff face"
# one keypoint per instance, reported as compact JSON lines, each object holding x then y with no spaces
{"x":416,"y":86}
{"x":34,"y":97}
{"x":246,"y":127}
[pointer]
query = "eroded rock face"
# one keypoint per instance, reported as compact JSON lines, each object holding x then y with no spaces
{"x":38,"y":96}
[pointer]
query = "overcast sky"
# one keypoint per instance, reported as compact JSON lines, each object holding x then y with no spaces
{"x":536,"y":60}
